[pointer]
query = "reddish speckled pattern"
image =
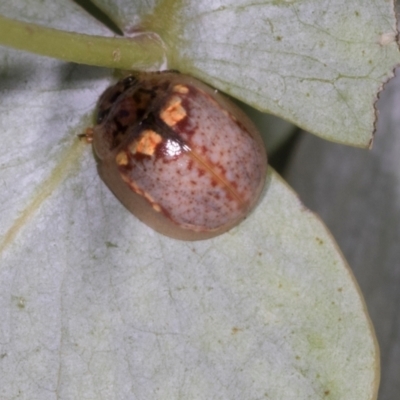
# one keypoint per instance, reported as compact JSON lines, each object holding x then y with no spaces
{"x":208,"y":170}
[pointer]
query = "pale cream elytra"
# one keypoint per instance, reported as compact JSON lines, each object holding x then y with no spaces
{"x":180,"y":156}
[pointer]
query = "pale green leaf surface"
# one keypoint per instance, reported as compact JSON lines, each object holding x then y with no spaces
{"x":125,"y":13}
{"x":59,"y":14}
{"x":318,"y":64}
{"x":95,"y":305}
{"x":358,"y":195}
{"x":275,"y":131}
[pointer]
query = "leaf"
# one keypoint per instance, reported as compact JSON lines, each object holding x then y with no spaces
{"x":96,"y":305}
{"x":318,"y":64}
{"x":126,"y":14}
{"x":55,"y":14}
{"x":358,"y":195}
{"x":274,"y":131}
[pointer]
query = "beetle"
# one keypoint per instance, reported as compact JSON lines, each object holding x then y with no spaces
{"x":179,"y":155}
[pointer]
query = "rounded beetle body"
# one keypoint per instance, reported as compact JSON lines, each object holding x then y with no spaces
{"x":181,"y":157}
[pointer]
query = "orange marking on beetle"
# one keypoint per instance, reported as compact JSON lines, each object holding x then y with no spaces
{"x":181,"y":89}
{"x":173,"y":112}
{"x":122,"y":158}
{"x":132,"y":185}
{"x":146,"y":144}
{"x":150,"y":199}
{"x":156,"y":207}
